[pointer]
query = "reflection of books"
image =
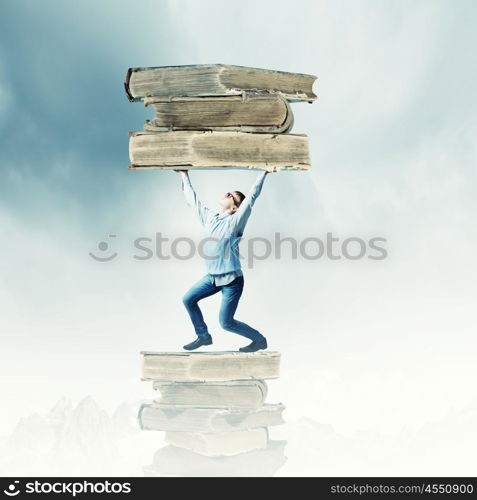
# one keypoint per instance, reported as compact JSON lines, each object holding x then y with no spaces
{"x":220,"y":443}
{"x":251,"y":113}
{"x":208,"y":420}
{"x":173,"y":461}
{"x":210,"y":150}
{"x":212,"y":403}
{"x":209,"y":366}
{"x":232,"y":394}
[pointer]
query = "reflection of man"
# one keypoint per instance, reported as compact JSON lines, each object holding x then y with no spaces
{"x":225,"y":229}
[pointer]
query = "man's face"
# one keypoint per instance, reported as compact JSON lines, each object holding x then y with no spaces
{"x":229,"y":201}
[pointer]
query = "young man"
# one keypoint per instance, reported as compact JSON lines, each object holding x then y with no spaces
{"x":224,"y":230}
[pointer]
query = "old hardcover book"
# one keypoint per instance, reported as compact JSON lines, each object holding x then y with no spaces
{"x":210,"y":366}
{"x":211,"y":150}
{"x":215,"y":80}
{"x":253,"y":113}
{"x":221,"y":443}
{"x":208,"y":420}
{"x":171,"y":460}
{"x":234,"y":394}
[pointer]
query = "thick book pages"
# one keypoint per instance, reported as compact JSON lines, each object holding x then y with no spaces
{"x":210,"y":366}
{"x":248,"y":394}
{"x":196,"y":149}
{"x":220,"y":444}
{"x":174,"y":461}
{"x":208,"y":420}
{"x":251,"y":113}
{"x":215,"y":79}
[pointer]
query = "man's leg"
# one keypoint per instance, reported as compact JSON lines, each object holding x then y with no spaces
{"x":231,"y":294}
{"x":203,"y":288}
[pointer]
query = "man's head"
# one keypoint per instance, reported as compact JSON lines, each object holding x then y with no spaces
{"x":231,"y":201}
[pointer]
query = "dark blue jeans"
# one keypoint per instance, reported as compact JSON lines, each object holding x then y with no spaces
{"x":231,"y":294}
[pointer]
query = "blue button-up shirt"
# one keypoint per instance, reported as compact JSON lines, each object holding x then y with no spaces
{"x":223,"y":232}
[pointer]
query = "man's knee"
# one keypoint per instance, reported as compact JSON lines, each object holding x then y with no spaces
{"x":188,"y":300}
{"x":227,"y":323}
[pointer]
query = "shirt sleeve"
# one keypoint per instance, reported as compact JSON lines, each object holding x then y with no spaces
{"x":245,"y":209}
{"x":193,"y":201}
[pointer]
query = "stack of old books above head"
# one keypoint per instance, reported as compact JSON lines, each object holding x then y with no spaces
{"x":212,"y":116}
{"x":213,"y":412}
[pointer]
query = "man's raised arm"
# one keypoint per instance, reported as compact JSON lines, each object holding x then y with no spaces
{"x":245,"y":209}
{"x":191,"y":197}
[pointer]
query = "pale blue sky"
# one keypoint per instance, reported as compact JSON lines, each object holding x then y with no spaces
{"x":393,"y":146}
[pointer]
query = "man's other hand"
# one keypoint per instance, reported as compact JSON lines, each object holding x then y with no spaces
{"x":183,"y":172}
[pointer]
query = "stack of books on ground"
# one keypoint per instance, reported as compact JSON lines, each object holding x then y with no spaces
{"x":210,"y":116}
{"x":213,"y":412}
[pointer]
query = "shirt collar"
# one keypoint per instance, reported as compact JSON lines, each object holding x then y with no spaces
{"x":222,"y":216}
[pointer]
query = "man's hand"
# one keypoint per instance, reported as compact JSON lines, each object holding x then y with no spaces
{"x":271,"y":170}
{"x":183,"y":172}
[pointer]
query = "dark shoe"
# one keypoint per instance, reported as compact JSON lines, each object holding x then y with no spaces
{"x":255,"y":346}
{"x":200,"y":341}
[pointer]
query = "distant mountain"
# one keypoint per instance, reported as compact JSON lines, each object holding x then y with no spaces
{"x":84,"y":438}
{"x":60,"y":413}
{"x":124,"y":420}
{"x":32,"y":433}
{"x":445,"y":447}
{"x":88,"y":431}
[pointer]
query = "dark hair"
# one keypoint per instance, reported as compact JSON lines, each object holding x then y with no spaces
{"x":240,"y":196}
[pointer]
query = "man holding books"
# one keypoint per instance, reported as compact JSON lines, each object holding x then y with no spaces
{"x":224,"y":231}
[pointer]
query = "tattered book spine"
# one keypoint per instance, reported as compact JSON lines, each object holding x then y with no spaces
{"x":247,"y":394}
{"x":254,"y":113}
{"x":196,"y":149}
{"x":210,"y":420}
{"x":220,"y":444}
{"x":215,"y":79}
{"x":210,"y":367}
